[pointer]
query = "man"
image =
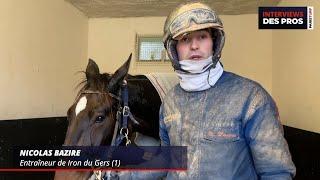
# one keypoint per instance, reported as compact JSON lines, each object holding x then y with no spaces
{"x":230,"y":124}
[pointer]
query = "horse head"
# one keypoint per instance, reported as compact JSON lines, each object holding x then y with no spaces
{"x":92,"y":115}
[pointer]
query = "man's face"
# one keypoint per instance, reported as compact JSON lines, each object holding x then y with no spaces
{"x":196,"y":45}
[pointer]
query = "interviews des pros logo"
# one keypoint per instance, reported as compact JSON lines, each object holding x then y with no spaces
{"x":286,"y":18}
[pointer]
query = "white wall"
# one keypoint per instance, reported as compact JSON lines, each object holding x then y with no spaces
{"x":248,"y":50}
{"x":111,"y":40}
{"x":296,"y":72}
{"x":42,"y":44}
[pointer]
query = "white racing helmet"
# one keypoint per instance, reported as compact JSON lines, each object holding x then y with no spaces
{"x":191,"y":17}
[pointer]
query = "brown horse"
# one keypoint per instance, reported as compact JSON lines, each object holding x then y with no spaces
{"x":92,"y":117}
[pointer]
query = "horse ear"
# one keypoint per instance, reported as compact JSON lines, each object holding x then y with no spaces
{"x":119,"y":75}
{"x":92,"y":70}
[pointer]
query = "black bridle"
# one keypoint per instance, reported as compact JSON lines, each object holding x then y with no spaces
{"x":122,"y":115}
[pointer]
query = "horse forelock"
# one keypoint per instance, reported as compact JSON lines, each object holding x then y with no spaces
{"x":92,"y":100}
{"x":98,"y":83}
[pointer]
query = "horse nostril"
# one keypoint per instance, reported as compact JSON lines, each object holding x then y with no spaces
{"x":99,"y":119}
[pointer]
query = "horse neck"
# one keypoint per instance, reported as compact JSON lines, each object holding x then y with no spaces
{"x":144,"y":103}
{"x":142,"y":94}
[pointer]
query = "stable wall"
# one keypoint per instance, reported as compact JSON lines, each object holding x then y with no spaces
{"x":43,"y":44}
{"x":296,"y":72}
{"x":111,"y":40}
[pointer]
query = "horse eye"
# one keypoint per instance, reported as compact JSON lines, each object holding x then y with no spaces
{"x":99,"y":119}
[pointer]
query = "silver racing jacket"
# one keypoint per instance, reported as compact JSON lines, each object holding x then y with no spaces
{"x":232,"y":131}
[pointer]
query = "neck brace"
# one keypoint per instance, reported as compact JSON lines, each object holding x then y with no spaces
{"x":203,"y":75}
{"x":196,"y":66}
